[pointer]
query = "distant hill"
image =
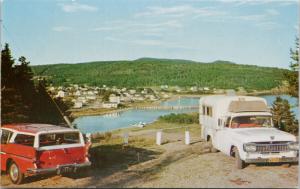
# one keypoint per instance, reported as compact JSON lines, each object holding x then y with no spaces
{"x":155,"y":72}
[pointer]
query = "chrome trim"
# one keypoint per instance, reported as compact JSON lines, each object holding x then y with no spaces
{"x":55,"y":169}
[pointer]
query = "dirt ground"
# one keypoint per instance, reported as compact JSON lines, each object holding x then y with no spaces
{"x":172,"y":164}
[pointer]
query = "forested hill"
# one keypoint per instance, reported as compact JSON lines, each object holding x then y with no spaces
{"x":155,"y":72}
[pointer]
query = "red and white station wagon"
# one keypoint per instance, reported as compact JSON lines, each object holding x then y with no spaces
{"x":30,"y":149}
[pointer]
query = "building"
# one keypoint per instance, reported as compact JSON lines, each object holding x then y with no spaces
{"x":114,"y":99}
{"x":61,"y":94}
{"x":109,"y":105}
{"x":78,"y":104}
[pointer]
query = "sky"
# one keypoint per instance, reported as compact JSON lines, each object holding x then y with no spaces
{"x":256,"y":32}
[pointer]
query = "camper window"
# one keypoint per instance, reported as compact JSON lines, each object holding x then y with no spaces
{"x":203,"y":110}
{"x":219,"y":122}
{"x":227,"y":122}
{"x":209,"y":111}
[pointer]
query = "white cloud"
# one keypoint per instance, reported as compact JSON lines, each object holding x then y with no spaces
{"x":61,"y":28}
{"x":138,"y":27}
{"x":180,"y":11}
{"x":272,"y":12}
{"x":106,"y":28}
{"x":75,"y":7}
{"x":268,"y":25}
{"x":259,"y":2}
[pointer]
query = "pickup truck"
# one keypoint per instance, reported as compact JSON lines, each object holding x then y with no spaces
{"x":241,"y":126}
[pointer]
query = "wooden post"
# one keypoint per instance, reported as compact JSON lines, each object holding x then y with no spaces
{"x":187,"y":137}
{"x":125,"y":138}
{"x":158,"y":137}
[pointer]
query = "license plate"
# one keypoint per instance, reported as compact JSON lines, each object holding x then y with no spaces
{"x":273,"y":160}
{"x":66,"y":169}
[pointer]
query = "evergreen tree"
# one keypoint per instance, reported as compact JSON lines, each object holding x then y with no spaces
{"x":292,"y":77}
{"x":283,"y":117}
{"x":7,"y":63}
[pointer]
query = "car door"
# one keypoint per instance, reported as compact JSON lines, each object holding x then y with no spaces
{"x":5,"y":137}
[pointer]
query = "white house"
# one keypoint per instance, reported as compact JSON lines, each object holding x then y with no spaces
{"x":109,"y":105}
{"x":132,"y":91}
{"x":114,"y":99}
{"x":205,"y":88}
{"x":77,"y":93}
{"x":78,"y":104}
{"x":60,"y":94}
{"x":91,"y":97}
{"x":194,"y":88}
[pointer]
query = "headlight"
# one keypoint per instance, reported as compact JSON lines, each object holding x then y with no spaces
{"x":249,"y":147}
{"x":293,"y":146}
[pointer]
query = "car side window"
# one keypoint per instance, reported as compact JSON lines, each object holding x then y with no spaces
{"x":26,"y":140}
{"x":5,"y":136}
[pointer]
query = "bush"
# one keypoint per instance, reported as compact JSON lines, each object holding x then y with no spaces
{"x":181,"y":118}
{"x":97,"y":137}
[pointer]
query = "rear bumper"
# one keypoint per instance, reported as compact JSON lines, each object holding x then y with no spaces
{"x":273,"y":160}
{"x":57,"y":169}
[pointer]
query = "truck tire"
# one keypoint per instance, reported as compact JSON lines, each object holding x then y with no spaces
{"x":211,"y":147}
{"x":15,"y":174}
{"x":240,"y":164}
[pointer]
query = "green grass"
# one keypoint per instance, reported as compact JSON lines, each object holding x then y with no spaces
{"x":155,"y":72}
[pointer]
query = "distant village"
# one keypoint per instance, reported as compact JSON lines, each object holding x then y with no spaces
{"x":84,"y":96}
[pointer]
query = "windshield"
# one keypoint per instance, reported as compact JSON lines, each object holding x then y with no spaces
{"x":251,"y":121}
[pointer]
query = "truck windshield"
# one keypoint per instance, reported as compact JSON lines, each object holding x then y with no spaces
{"x":251,"y":121}
{"x":51,"y":139}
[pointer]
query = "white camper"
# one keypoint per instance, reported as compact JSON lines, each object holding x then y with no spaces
{"x":241,"y":126}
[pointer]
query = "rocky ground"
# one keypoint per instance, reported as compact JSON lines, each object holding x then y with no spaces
{"x":172,"y":164}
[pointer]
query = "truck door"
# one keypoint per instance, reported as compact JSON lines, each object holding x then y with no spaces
{"x":222,"y":135}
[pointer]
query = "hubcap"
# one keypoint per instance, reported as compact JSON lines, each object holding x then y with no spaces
{"x":14,"y":172}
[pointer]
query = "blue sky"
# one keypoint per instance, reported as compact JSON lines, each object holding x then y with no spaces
{"x":71,"y":31}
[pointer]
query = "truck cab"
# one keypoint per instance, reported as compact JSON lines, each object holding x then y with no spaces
{"x":242,"y":127}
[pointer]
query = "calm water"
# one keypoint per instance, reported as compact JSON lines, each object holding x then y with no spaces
{"x":90,"y":124}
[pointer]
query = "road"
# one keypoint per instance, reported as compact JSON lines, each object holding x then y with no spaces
{"x":179,"y":165}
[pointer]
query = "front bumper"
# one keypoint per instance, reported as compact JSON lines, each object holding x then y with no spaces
{"x":273,"y":160}
{"x":59,"y":168}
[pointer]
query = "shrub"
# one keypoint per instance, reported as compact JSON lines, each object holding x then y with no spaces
{"x":180,"y":118}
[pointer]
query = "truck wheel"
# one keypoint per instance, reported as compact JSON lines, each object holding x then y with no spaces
{"x":211,"y":147}
{"x":240,"y":164}
{"x":15,"y":174}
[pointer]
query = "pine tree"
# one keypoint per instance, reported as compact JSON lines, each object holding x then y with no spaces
{"x":292,"y":77}
{"x":7,"y":62}
{"x":283,"y":118}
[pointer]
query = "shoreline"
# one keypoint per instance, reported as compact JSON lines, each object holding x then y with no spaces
{"x":96,"y":112}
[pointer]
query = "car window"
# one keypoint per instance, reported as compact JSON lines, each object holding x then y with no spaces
{"x":26,"y":140}
{"x":51,"y":139}
{"x":5,"y":136}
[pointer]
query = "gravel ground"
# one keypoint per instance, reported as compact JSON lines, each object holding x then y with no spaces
{"x":178,"y":166}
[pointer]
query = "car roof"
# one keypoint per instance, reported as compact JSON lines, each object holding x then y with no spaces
{"x":34,"y":128}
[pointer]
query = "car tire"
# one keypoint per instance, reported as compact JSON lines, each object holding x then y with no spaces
{"x":240,"y":164}
{"x":15,"y":174}
{"x":211,"y":147}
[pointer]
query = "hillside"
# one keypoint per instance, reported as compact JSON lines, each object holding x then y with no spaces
{"x":155,"y":72}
